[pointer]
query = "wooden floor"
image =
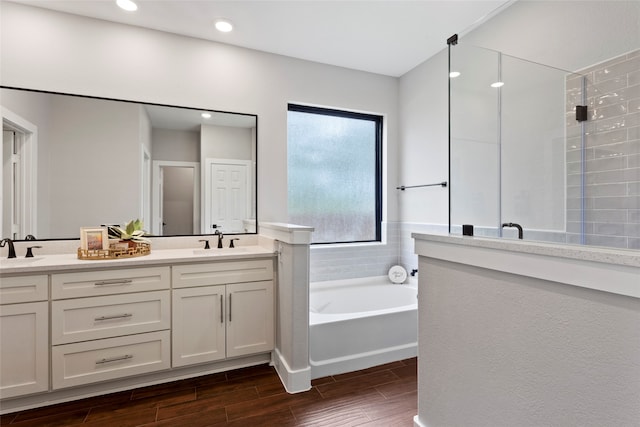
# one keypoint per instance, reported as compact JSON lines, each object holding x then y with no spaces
{"x":384,"y":395}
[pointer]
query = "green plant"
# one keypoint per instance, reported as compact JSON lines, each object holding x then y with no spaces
{"x":132,"y":231}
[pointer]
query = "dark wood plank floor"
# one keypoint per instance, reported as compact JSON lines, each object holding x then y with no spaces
{"x":384,"y":395}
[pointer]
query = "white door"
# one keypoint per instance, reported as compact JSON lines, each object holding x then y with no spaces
{"x":19,"y":176}
{"x":227,"y":196}
{"x":11,"y":185}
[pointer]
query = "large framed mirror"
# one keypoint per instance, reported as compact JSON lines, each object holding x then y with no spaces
{"x":73,"y":161}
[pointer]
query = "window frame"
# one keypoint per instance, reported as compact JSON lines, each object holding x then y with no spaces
{"x":379,"y":122}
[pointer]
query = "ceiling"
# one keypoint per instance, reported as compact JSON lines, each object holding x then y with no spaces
{"x":387,"y":37}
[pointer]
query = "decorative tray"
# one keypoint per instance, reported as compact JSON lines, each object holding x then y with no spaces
{"x":115,"y":252}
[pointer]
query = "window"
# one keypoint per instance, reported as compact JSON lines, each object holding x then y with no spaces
{"x":334,"y":166}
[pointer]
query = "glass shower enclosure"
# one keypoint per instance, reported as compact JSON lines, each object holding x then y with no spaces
{"x":553,"y":152}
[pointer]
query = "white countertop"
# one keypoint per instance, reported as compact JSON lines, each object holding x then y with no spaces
{"x":627,"y":257}
{"x":609,"y":270}
{"x":62,"y":262}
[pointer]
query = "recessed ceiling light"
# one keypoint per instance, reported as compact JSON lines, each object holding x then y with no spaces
{"x":206,"y":115}
{"x":497,"y":84}
{"x":127,"y":5}
{"x":223,"y":25}
{"x":454,"y":74}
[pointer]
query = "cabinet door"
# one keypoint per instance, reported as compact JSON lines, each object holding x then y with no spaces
{"x":198,"y":330}
{"x":24,"y":354}
{"x":250,"y":322}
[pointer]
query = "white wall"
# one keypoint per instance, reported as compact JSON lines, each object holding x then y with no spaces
{"x":78,"y":55}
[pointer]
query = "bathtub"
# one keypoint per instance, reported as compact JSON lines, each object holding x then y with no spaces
{"x":358,"y":323}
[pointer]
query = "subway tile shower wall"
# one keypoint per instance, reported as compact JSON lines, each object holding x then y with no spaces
{"x":612,"y":155}
{"x":351,"y":261}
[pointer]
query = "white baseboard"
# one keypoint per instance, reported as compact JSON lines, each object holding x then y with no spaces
{"x":417,"y":423}
{"x":294,"y":381}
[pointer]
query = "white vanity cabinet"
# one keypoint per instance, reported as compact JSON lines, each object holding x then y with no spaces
{"x":222,"y":310}
{"x":24,"y":334}
{"x":70,"y":329}
{"x":109,"y":324}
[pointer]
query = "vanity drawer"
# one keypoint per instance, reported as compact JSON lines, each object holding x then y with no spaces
{"x":24,"y":289}
{"x":108,"y":359}
{"x":107,"y":282}
{"x":86,"y":319}
{"x":221,"y":273}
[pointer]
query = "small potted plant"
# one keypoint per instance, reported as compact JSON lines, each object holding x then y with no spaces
{"x":132,"y":234}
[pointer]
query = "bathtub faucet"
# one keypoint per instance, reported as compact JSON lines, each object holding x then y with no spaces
{"x":513,"y":224}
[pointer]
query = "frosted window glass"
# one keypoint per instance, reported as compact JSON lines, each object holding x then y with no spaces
{"x":332,"y":176}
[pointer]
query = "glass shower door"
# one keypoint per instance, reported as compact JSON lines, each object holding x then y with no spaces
{"x":512,"y":123}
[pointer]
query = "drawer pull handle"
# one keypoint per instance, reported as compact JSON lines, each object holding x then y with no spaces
{"x":221,"y":310}
{"x":114,"y":359}
{"x":114,"y":282}
{"x":230,"y":307}
{"x":116,"y":316}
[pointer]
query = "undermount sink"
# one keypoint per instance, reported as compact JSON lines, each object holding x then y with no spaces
{"x":222,"y":251}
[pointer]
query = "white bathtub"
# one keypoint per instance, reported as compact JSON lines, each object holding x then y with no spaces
{"x":358,"y":323}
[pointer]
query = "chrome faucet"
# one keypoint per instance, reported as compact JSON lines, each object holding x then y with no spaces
{"x":513,"y":224}
{"x":12,"y":249}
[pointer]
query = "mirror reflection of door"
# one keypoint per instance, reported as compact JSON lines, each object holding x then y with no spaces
{"x":227,"y":196}
{"x":18,"y":192}
{"x":176,"y":198}
{"x":10,"y":185}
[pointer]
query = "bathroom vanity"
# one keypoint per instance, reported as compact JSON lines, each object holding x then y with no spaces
{"x":71,"y":328}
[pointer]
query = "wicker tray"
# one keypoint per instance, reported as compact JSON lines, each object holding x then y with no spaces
{"x":140,"y":249}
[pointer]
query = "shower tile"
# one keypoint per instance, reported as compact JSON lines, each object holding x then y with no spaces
{"x":633,"y":133}
{"x":617,"y":69}
{"x":633,"y":78}
{"x":633,"y":189}
{"x":633,"y":53}
{"x":613,"y":87}
{"x":608,"y":241}
{"x":624,"y":175}
{"x":618,"y":149}
{"x":598,"y":113}
{"x":601,"y":190}
{"x":609,"y":229}
{"x":606,"y":164}
{"x":606,"y":215}
{"x":574,"y":239}
{"x":604,"y":138}
{"x":632,"y":230}
{"x":633,"y":161}
{"x":633,"y":243}
{"x":626,"y":202}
